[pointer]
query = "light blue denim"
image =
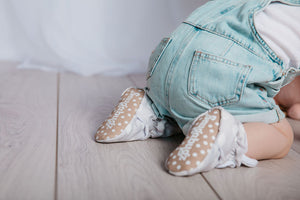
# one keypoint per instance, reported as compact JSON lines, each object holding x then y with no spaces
{"x":217,"y":58}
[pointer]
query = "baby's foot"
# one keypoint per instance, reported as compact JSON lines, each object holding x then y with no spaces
{"x":294,"y":112}
{"x":132,"y":119}
{"x":215,"y":140}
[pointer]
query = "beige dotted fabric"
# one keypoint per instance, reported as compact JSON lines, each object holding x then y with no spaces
{"x":121,"y":115}
{"x":195,"y":147}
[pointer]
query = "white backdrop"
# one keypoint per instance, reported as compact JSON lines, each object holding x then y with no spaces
{"x":90,"y":36}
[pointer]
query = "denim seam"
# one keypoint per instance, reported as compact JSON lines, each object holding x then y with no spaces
{"x":289,"y":2}
{"x":261,"y":42}
{"x":218,"y":59}
{"x":183,"y":45}
{"x":229,"y":5}
{"x":271,"y":116}
{"x":227,"y":49}
{"x":246,"y":46}
{"x":245,"y":72}
{"x":164,"y":43}
{"x":267,"y":101}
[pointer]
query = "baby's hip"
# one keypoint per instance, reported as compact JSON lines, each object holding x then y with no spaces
{"x":194,"y":70}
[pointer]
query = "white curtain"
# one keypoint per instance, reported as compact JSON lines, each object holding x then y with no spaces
{"x":87,"y":37}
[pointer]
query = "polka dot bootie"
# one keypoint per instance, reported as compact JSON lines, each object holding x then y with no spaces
{"x":132,"y":119}
{"x":215,"y":140}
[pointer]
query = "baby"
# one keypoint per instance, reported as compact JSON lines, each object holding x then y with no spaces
{"x":215,"y":79}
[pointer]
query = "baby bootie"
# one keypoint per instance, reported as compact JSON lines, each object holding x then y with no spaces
{"x":132,"y":119}
{"x":215,"y":140}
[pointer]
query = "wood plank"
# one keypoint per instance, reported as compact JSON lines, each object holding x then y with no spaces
{"x":133,"y":170}
{"x":28,"y":103}
{"x":271,"y":179}
{"x":296,"y":127}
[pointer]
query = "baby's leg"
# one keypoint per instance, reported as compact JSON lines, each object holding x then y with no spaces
{"x":217,"y":140}
{"x":294,"y":111}
{"x":289,"y":98}
{"x":267,"y":141}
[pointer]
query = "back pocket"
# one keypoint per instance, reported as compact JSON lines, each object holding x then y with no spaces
{"x":216,"y":81}
{"x":156,"y":55}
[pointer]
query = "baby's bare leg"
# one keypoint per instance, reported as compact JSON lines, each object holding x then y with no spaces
{"x":289,"y":98}
{"x":267,"y":141}
{"x":294,"y":111}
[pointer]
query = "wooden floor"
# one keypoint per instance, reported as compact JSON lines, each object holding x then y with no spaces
{"x":47,"y":151}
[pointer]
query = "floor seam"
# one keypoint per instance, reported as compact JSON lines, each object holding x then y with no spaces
{"x":211,"y":187}
{"x":57,"y":129}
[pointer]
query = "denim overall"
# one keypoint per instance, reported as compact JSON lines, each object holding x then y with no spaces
{"x":217,"y":58}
